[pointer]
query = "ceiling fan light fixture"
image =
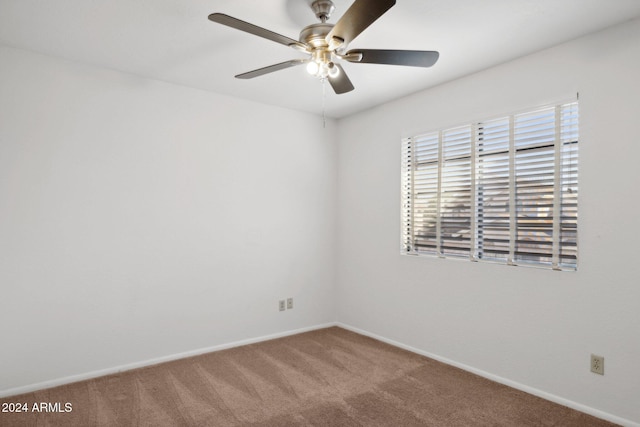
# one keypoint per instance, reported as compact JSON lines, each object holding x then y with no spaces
{"x":322,"y":69}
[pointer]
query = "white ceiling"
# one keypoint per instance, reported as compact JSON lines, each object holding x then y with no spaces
{"x":173,"y":41}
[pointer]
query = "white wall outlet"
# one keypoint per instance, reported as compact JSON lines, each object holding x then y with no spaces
{"x":597,"y":364}
{"x":281,"y":305}
{"x":289,"y":303}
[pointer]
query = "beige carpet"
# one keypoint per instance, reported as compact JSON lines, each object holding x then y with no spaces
{"x":329,"y":377}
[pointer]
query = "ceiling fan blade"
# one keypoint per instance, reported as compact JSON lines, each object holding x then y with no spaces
{"x":232,"y":22}
{"x":356,"y":19}
{"x":341,"y":82}
{"x":271,"y":68}
{"x":412,"y":58}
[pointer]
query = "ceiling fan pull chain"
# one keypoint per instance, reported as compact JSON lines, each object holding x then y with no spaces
{"x":324,"y":98}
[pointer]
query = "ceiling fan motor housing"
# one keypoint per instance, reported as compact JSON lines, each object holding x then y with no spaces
{"x":315,"y":35}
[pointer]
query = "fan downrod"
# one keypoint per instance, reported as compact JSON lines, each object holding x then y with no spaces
{"x":323,"y":9}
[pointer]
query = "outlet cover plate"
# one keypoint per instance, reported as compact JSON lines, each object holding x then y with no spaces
{"x":597,"y":364}
{"x":281,"y":305}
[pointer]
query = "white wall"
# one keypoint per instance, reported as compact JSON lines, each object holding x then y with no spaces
{"x":533,"y":327}
{"x":139,"y":220}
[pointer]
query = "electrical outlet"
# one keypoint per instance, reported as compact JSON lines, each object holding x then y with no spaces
{"x":289,"y":303}
{"x":597,"y":364}
{"x":282,"y":305}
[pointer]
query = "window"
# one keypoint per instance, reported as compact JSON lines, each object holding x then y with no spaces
{"x":503,"y":190}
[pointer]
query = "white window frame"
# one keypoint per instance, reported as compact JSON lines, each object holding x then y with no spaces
{"x":501,"y":190}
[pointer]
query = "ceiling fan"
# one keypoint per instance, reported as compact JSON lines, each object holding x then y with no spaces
{"x":326,"y":44}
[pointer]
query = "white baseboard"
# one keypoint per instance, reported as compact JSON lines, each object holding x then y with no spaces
{"x":547,"y":396}
{"x":117,"y":369}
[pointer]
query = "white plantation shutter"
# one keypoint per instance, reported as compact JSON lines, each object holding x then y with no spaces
{"x":492,"y":214}
{"x":422,"y":207}
{"x":500,"y":190}
{"x":568,"y":224}
{"x":407,"y":195}
{"x":534,"y":143}
{"x":456,"y":193}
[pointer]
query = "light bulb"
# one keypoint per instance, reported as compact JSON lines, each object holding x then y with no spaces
{"x":312,"y":68}
{"x":333,"y":70}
